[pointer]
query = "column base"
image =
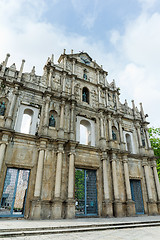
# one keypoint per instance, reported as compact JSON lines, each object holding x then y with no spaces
{"x":152,"y":208}
{"x":118,"y":209}
{"x":56,"y":209}
{"x":45,"y":210}
{"x":70,"y":208}
{"x":35,"y":212}
{"x":131,"y":211}
{"x":107,"y":208}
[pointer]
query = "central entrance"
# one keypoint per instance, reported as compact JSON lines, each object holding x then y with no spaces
{"x":85,"y":192}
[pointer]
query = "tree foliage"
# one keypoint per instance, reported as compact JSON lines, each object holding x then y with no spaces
{"x":154,"y":134}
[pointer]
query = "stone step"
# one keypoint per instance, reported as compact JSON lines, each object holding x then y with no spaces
{"x":5,"y":233}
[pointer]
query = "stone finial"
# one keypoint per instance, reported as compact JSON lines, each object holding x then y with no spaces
{"x":64,"y":52}
{"x":6,"y":60}
{"x":71,"y":51}
{"x":114,"y":84}
{"x":142,"y":111}
{"x":134,"y":108}
{"x":21,"y":70}
{"x":52,"y":59}
{"x":126,"y":102}
{"x":102,"y":66}
{"x":33,"y":71}
{"x":13,"y":66}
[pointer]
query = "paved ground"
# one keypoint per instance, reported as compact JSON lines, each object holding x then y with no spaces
{"x":147,"y":233}
{"x":152,"y":233}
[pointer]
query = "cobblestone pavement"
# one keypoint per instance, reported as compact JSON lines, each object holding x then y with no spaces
{"x":148,"y":233}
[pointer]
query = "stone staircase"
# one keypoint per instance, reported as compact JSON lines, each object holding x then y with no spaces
{"x":34,"y":231}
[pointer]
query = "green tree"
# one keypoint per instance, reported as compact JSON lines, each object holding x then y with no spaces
{"x":154,"y":134}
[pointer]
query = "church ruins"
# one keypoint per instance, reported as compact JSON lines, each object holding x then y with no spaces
{"x":68,"y":146}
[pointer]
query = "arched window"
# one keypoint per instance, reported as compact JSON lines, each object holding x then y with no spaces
{"x":129,"y":143}
{"x":85,"y":132}
{"x":85,"y":95}
{"x":26,"y":121}
{"x":114,"y":133}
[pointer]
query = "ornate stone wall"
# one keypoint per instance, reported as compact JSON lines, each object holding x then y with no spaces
{"x":114,"y":142}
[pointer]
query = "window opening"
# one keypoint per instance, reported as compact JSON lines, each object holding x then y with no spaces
{"x":129,"y":143}
{"x":26,"y":121}
{"x":85,"y":132}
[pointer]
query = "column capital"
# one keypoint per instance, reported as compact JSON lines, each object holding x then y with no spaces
{"x":71,"y":153}
{"x":113,"y":157}
{"x":125,"y":159}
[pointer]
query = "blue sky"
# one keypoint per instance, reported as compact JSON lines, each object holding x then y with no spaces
{"x":121,"y":35}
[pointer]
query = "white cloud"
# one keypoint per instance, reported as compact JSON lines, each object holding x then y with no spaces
{"x":34,"y":40}
{"x":134,"y":63}
{"x":87,"y":11}
{"x":147,"y":4}
{"x":140,"y":57}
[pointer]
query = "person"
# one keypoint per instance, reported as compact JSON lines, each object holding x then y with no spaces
{"x":52,"y":121}
{"x":2,"y":109}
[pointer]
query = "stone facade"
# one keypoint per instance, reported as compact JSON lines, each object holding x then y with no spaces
{"x":89,"y":129}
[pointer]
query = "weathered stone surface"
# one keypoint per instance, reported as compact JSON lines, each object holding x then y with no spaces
{"x":52,"y":153}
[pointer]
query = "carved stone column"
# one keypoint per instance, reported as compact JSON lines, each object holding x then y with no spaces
{"x":73,"y":66}
{"x":97,"y":72}
{"x":50,"y":78}
{"x":130,"y":204}
{"x":11,"y":109}
{"x":72,"y":135}
{"x":139,"y":135}
{"x":61,"y":127}
{"x":121,"y":135}
{"x":108,"y":209}
{"x":2,"y":153}
{"x":38,"y":183}
{"x":36,"y":203}
{"x":109,"y":130}
{"x":156,"y":181}
{"x":57,"y":206}
{"x":46,"y":115}
{"x":152,"y":206}
{"x":71,"y":201}
{"x":117,"y":204}
{"x":64,"y":82}
{"x":72,"y":90}
{"x":102,"y":135}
